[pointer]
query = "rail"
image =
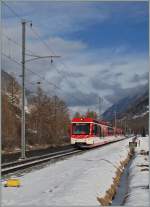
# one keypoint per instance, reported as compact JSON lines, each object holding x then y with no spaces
{"x":29,"y":162}
{"x":22,"y":164}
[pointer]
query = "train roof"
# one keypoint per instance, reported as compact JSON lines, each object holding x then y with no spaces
{"x":84,"y":119}
{"x":88,"y":119}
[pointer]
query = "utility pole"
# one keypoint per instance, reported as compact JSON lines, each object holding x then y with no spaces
{"x":12,"y":91}
{"x":35,"y":57}
{"x":115,"y":122}
{"x":125,"y":125}
{"x":55,"y":118}
{"x":23,"y":93}
{"x":100,"y":106}
{"x":121,"y":123}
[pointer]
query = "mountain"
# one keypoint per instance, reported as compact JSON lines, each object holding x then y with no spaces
{"x":44,"y":120}
{"x":131,"y":104}
{"x":132,"y":111}
{"x":11,"y":88}
{"x":139,"y":107}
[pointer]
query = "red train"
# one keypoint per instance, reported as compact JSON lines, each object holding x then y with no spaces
{"x":89,"y":133}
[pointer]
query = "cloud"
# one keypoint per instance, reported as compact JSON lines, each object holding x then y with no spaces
{"x":59,"y":17}
{"x":82,"y":72}
{"x":101,"y":84}
{"x":119,"y":63}
{"x":120,"y":92}
{"x":119,"y":74}
{"x":69,"y":46}
{"x":104,"y":71}
{"x":106,"y":78}
{"x":80,"y":98}
{"x":136,"y":78}
{"x":140,"y":78}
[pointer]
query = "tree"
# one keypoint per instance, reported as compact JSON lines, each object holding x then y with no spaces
{"x":143,"y":132}
{"x":11,"y":128}
{"x":46,"y":123}
{"x":77,"y":115}
{"x":49,"y":118}
{"x":91,"y":114}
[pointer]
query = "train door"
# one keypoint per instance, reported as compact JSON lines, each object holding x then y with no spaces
{"x":102,"y":131}
{"x":96,"y":132}
{"x":99,"y":131}
{"x":105,"y":131}
{"x":95,"y":129}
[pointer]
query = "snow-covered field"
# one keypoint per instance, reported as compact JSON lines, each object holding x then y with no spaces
{"x":138,"y":192}
{"x":77,"y":180}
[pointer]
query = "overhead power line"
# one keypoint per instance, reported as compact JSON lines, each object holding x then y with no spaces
{"x":34,"y":73}
{"x":51,"y":51}
{"x":43,"y":42}
{"x":46,"y":45}
{"x":12,"y":10}
{"x":41,"y":77}
{"x":17,"y":43}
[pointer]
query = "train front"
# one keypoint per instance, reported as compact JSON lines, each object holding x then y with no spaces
{"x":81,"y":129}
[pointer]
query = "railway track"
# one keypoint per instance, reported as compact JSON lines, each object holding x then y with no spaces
{"x":29,"y":162}
{"x":6,"y":158}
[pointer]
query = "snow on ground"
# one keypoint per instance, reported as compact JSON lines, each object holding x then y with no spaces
{"x":140,"y":115}
{"x":138,"y":194}
{"x":77,"y":180}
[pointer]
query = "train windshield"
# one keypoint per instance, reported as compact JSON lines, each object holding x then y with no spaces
{"x":80,"y":128}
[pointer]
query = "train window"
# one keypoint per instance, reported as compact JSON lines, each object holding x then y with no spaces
{"x":102,"y":132}
{"x":99,"y":131}
{"x":110,"y":131}
{"x":95,"y":129}
{"x":80,"y":128}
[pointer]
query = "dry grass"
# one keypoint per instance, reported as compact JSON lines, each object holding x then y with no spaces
{"x":145,"y":169}
{"x":143,"y":152}
{"x":106,"y":200}
{"x":142,"y":165}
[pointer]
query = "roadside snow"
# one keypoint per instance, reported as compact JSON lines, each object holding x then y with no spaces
{"x":77,"y":180}
{"x":138,"y":194}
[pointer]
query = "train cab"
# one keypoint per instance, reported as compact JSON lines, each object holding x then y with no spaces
{"x":91,"y":132}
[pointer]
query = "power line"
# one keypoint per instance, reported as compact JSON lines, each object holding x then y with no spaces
{"x":41,"y":77}
{"x":12,"y":10}
{"x":16,"y":43}
{"x":44,"y":42}
{"x":10,"y":39}
{"x":47,"y":46}
{"x":50,"y":50}
{"x":30,"y":70}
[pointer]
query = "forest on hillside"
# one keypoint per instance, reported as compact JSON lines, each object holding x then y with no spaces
{"x":47,"y":119}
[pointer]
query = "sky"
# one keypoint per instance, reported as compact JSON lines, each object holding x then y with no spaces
{"x":103,"y":48}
